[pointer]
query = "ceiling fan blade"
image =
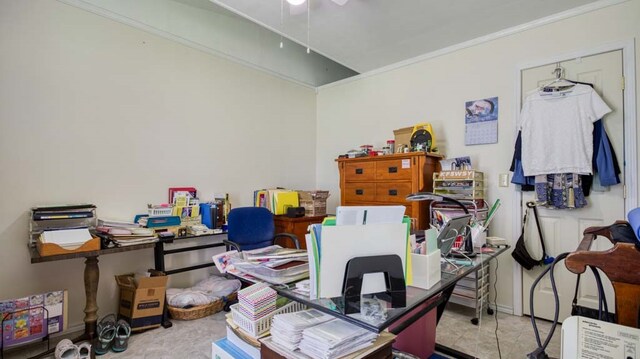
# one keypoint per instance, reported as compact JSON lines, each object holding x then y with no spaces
{"x":340,"y":2}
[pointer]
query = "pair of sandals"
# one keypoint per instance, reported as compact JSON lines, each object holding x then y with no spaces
{"x":65,"y":349}
{"x":112,"y":335}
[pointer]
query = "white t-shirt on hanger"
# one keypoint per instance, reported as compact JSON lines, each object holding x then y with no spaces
{"x":557,"y":131}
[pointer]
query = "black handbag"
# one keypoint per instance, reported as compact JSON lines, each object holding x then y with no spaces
{"x":520,"y":252}
{"x":602,"y":313}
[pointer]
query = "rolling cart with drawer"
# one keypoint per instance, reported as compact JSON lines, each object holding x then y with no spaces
{"x":467,"y":186}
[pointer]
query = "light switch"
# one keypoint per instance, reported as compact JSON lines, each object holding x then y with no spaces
{"x":503,"y":180}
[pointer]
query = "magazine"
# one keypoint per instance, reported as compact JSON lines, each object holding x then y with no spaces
{"x":32,"y":318}
{"x":274,"y":252}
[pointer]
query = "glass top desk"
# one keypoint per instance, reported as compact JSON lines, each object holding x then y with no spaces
{"x":415,"y":297}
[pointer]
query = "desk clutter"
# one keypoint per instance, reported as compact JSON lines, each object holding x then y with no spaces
{"x":66,"y":229}
{"x":289,"y":329}
{"x":285,"y":202}
{"x":272,"y":264}
{"x":417,"y":138}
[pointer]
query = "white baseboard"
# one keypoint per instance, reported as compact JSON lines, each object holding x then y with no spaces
{"x":76,"y":328}
{"x":502,"y":309}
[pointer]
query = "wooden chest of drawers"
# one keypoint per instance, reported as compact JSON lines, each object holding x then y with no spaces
{"x":297,"y":226}
{"x":387,"y":180}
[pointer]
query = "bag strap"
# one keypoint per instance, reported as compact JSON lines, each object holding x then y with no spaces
{"x":603,"y":307}
{"x":575,"y":294}
{"x":535,"y":215}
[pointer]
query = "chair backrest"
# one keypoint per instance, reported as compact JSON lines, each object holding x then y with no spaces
{"x":621,"y":264}
{"x":251,"y":227}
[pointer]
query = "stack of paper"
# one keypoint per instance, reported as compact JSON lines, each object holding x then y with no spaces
{"x":286,"y":329}
{"x":257,"y":301}
{"x":334,"y":339}
{"x":69,"y":239}
{"x":124,"y":234}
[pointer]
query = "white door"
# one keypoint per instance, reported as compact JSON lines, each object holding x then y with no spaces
{"x":562,"y":229}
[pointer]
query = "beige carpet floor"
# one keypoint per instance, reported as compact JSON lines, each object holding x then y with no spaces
{"x":192,"y":339}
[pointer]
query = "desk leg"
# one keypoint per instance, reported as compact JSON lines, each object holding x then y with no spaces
{"x":446,"y":294}
{"x":91,"y":278}
{"x":158,"y":256}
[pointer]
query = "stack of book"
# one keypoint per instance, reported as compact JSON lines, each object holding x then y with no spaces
{"x":257,"y":301}
{"x":286,"y":329}
{"x":124,"y":234}
{"x":334,"y":339}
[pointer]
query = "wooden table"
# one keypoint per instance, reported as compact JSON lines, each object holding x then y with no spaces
{"x":91,"y":279}
{"x":297,"y":226}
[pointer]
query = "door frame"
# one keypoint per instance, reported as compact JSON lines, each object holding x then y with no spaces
{"x":630,"y":133}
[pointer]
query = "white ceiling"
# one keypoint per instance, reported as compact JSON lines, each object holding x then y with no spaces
{"x":368,"y":34}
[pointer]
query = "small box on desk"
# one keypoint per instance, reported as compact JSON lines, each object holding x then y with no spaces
{"x":142,"y":300}
{"x":52,"y":249}
{"x":314,"y":202}
{"x":425,"y":269}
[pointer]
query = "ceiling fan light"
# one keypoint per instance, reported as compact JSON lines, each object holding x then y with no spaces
{"x":296,"y":2}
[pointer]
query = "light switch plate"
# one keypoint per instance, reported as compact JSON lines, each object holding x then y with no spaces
{"x":503,"y":180}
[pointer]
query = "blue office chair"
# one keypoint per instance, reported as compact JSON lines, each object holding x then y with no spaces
{"x":252,"y":228}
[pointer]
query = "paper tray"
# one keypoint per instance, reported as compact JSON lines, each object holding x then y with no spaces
{"x":51,"y":249}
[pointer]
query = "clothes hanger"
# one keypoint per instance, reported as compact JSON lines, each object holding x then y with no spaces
{"x":559,"y":85}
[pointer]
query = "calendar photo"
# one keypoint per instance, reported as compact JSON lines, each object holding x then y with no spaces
{"x":481,"y":121}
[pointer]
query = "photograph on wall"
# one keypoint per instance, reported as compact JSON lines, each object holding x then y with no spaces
{"x":481,"y":121}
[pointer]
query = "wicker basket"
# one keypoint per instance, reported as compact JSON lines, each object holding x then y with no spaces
{"x":262,"y":325}
{"x":200,"y":311}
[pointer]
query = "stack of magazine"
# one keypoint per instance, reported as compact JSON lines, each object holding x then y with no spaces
{"x":124,"y":234}
{"x":334,"y":339}
{"x":272,"y":264}
{"x":286,"y":329}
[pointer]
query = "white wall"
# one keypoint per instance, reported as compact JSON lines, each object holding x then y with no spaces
{"x":92,"y":110}
{"x":367,"y":110}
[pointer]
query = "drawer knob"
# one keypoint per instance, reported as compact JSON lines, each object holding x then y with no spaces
{"x":359,"y":171}
{"x":393,"y":192}
{"x":359,"y":192}
{"x":393,"y":169}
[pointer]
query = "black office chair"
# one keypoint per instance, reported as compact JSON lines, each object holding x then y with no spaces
{"x":253,"y":228}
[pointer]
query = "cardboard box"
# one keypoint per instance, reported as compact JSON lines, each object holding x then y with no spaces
{"x":314,"y":202}
{"x":403,"y":137}
{"x":142,"y":300}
